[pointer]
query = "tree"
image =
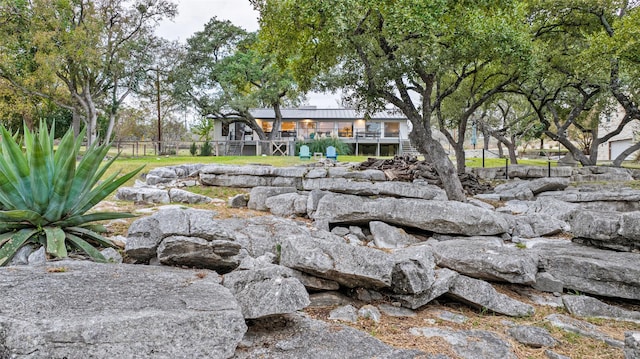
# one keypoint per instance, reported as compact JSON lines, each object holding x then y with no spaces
{"x":509,"y":119}
{"x":588,"y":57}
{"x":224,"y":78}
{"x":397,"y":53}
{"x":83,"y":46}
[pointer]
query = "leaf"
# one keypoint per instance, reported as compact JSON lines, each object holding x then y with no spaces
{"x":86,"y":247}
{"x":84,"y":232}
{"x":55,"y":242}
{"x":10,"y":247}
{"x":91,"y":217}
{"x":103,"y":190}
{"x":22,"y":215}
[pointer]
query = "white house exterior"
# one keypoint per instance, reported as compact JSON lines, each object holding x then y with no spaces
{"x":383,"y":133}
{"x":608,"y":151}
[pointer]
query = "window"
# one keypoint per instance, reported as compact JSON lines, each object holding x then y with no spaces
{"x":307,"y":128}
{"x":345,"y":129}
{"x":267,"y":126}
{"x":372,"y":129}
{"x":325,"y":128}
{"x":391,"y":129}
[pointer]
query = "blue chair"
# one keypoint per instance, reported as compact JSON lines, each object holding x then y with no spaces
{"x":331,"y":153}
{"x":304,"y":152}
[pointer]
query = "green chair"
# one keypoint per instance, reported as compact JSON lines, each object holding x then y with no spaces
{"x":304,"y":152}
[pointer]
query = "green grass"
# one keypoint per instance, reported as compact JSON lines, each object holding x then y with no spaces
{"x":500,"y":162}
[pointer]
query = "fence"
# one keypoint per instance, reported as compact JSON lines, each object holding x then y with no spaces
{"x":218,"y":148}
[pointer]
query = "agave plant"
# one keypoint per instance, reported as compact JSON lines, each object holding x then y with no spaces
{"x":45,"y":194}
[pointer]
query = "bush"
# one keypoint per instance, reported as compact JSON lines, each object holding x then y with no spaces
{"x":320,"y":145}
{"x":205,"y":149}
{"x":45,"y":194}
{"x":193,"y":149}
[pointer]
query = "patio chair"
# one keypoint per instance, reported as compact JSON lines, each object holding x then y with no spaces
{"x":304,"y":152}
{"x":331,"y":153}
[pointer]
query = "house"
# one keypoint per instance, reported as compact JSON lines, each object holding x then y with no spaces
{"x":381,"y":134}
{"x":630,"y":134}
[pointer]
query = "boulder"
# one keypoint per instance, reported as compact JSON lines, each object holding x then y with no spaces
{"x":525,"y":190}
{"x":601,"y":173}
{"x":161,"y":175}
{"x":218,"y":255}
{"x":346,"y":313}
{"x":239,"y":201}
{"x":258,"y":196}
{"x":600,"y":198}
{"x":351,"y":266}
{"x":480,"y":294}
{"x":143,"y":194}
{"x":266,"y":291}
{"x":287,"y":204}
{"x":531,"y":336}
{"x":545,"y":282}
{"x":89,"y":311}
{"x":631,"y":345}
{"x":589,"y":307}
{"x":470,"y":344}
{"x":591,"y":270}
{"x":370,"y":312}
{"x":444,"y":279}
{"x":145,"y":234}
{"x":583,"y":328}
{"x":181,"y":196}
{"x":434,"y":216}
{"x":386,"y":236}
{"x":552,"y":207}
{"x":538,"y":225}
{"x":484,"y":259}
{"x":368,"y":188}
{"x":413,"y":271}
{"x":296,"y":336}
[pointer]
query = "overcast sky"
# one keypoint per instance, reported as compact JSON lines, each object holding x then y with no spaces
{"x":194,"y":14}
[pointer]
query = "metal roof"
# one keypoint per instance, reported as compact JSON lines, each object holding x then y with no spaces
{"x":324,"y":114}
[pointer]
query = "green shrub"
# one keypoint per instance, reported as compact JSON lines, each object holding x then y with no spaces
{"x":320,"y":144}
{"x":193,"y":149}
{"x":205,"y":149}
{"x":45,"y":194}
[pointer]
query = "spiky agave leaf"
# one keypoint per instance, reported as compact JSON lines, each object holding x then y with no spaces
{"x":46,"y":194}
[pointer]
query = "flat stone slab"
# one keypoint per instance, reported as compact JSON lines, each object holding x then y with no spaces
{"x":295,"y":336}
{"x":445,"y":217}
{"x":116,"y":311}
{"x":583,"y":328}
{"x":471,"y":344}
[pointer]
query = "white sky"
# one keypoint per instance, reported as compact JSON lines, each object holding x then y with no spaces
{"x":194,"y":14}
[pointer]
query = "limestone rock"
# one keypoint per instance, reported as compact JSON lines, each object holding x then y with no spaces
{"x":181,"y":196}
{"x":370,"y":312}
{"x":219,"y":255}
{"x":484,"y":259}
{"x":347,"y":313}
{"x":448,"y":217}
{"x":535,"y":337}
{"x":117,"y":311}
{"x":351,"y":266}
{"x":386,"y":236}
{"x":143,"y":194}
{"x":585,"y":306}
{"x":413,"y":271}
{"x":296,"y":336}
{"x":444,"y":279}
{"x":481,"y":294}
{"x":591,"y":270}
{"x":267,"y":291}
{"x":583,"y":328}
{"x":471,"y":344}
{"x":631,"y":345}
{"x":258,"y":196}
{"x":287,"y":204}
{"x":239,"y":201}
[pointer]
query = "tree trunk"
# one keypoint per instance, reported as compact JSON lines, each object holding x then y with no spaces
{"x":432,"y":150}
{"x":500,"y":151}
{"x":460,"y":157}
{"x":617,"y":162}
